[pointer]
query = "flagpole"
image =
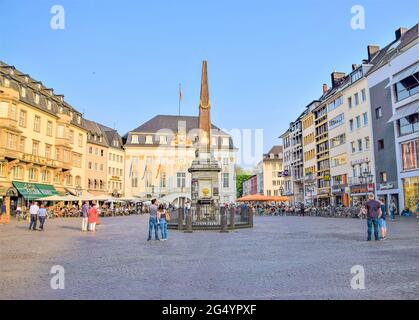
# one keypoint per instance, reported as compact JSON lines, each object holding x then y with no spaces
{"x":180,"y":92}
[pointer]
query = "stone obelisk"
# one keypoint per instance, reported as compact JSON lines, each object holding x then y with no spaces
{"x":205,"y":168}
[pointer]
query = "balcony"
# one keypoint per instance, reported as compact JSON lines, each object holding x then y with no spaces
{"x":9,"y":124}
{"x":64,"y":142}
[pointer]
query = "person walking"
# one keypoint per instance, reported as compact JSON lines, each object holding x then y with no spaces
{"x":373,"y":214}
{"x":33,"y":210}
{"x":417,"y":209}
{"x":393,"y":209}
{"x":163,"y":218}
{"x":152,"y":223}
{"x":382,"y":220}
{"x":92,"y":217}
{"x":302,"y":209}
{"x":85,"y":216}
{"x":42,"y":216}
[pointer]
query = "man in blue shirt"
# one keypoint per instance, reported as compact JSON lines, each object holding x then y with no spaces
{"x":42,"y":213}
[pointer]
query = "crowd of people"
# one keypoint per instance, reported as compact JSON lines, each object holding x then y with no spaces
{"x":374,"y":211}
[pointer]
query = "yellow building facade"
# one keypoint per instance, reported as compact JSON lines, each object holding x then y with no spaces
{"x":42,"y":141}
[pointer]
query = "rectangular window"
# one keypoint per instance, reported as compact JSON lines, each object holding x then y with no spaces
{"x":380,"y":143}
{"x":181,"y":179}
{"x":80,"y":140}
{"x":378,"y":113}
{"x":163,"y":139}
{"x":409,"y":156}
{"x":407,"y":87}
{"x":351,"y":125}
{"x":358,"y":122}
{"x":225,"y":142}
{"x":22,"y":118}
{"x":359,"y":145}
{"x":22,"y":144}
{"x":353,"y":147}
{"x":60,"y":132}
{"x":149,"y":139}
{"x":350,"y":102}
{"x":383,"y":177}
{"x":134,"y":139}
{"x":363,"y":95}
{"x":163,"y":180}
{"x":35,"y":148}
{"x":365,"y":117}
{"x":49,"y":128}
{"x":409,"y":124}
{"x":48,"y":151}
{"x":367,"y":143}
{"x":37,"y":124}
{"x":336,"y":121}
{"x":356,"y":99}
{"x":71,"y":136}
{"x":11,"y":141}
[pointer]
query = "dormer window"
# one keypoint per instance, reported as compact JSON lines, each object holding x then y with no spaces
{"x":23,"y":92}
{"x":12,"y":72}
{"x":36,"y":98}
{"x":78,"y":119}
{"x":6,"y":82}
{"x":149,"y":139}
{"x":49,"y":105}
{"x":214,"y":141}
{"x":100,"y":139}
{"x":26,"y":79}
{"x":134,"y":138}
{"x":61,"y":110}
{"x":225,"y":142}
{"x":71,"y":115}
{"x":39,"y":86}
{"x":163,"y":140}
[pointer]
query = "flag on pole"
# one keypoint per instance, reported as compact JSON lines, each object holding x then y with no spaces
{"x":145,"y":170}
{"x":130,"y":168}
{"x":158,"y":170}
{"x":180,"y":92}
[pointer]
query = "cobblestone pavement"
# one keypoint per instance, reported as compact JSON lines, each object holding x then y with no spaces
{"x":280,"y":258}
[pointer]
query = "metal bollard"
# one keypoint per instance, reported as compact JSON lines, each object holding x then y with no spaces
{"x":232,"y":224}
{"x":224,"y":228}
{"x":180,"y":219}
{"x":189,"y":223}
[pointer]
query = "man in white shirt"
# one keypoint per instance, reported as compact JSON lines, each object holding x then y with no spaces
{"x":33,"y":210}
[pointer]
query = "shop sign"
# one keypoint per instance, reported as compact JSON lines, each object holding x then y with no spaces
{"x":360,"y":161}
{"x":370,"y":187}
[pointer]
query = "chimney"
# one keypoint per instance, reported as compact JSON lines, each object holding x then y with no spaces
{"x":336,"y":77}
{"x":399,"y":32}
{"x":324,"y":88}
{"x":372,"y":50}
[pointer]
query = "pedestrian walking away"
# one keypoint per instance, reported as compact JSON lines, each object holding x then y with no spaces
{"x":373,"y":214}
{"x":382,"y":221}
{"x":85,"y":216}
{"x":33,"y":210}
{"x":42,"y":216}
{"x":152,"y":223}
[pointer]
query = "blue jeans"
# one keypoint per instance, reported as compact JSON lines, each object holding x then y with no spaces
{"x":41,"y":222}
{"x":34,"y":220}
{"x":163,"y":228}
{"x":392,"y":214}
{"x":370,"y":223}
{"x":153,"y":224}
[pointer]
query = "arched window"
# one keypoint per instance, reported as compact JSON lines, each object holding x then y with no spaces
{"x":95,"y":184}
{"x":89,"y":184}
{"x":69,"y":180}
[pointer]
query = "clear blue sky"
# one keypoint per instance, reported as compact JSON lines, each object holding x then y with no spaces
{"x":121,"y":61}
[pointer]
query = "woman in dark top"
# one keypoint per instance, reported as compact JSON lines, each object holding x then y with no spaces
{"x":163,"y":222}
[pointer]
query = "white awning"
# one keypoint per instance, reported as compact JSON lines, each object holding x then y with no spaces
{"x":404,"y":112}
{"x":403,"y":75}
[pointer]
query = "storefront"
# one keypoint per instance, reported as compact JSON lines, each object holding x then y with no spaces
{"x":411,"y":192}
{"x":31,"y":191}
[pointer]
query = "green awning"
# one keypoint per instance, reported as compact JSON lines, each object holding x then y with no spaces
{"x":47,"y":190}
{"x":31,"y":191}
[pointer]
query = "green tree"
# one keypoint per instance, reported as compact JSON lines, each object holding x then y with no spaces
{"x":240,"y":178}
